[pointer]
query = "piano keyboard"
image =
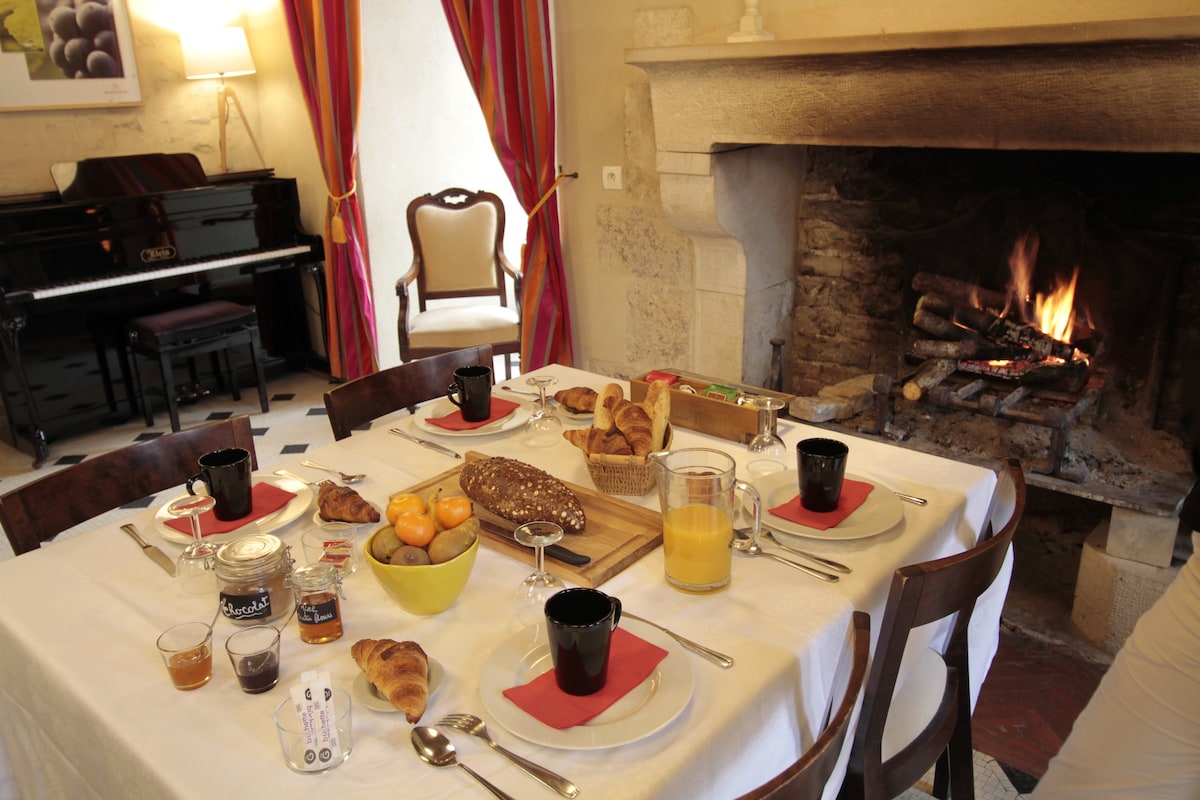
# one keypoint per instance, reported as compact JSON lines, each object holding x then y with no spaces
{"x":155,"y":274}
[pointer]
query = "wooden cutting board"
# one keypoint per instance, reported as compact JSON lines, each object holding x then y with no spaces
{"x":618,"y":532}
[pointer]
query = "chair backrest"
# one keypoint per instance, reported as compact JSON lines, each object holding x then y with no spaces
{"x":806,"y":778}
{"x":39,"y":511}
{"x":458,"y":245}
{"x":372,"y":396}
{"x":921,"y":594}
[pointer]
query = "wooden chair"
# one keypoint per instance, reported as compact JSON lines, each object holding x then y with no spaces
{"x":39,"y":511}
{"x":899,"y":738}
{"x":458,"y":255}
{"x":372,"y":396}
{"x":806,"y":779}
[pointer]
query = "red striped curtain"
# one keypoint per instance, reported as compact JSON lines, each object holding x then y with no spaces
{"x":505,"y":47}
{"x":327,"y":49}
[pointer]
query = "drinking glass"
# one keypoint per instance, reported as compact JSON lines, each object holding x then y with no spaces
{"x":195,"y":564}
{"x":768,"y":453}
{"x":540,"y":586}
{"x":544,"y":428}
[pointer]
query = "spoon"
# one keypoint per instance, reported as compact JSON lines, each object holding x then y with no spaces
{"x":345,"y":478}
{"x":751,"y":548}
{"x":434,"y":748}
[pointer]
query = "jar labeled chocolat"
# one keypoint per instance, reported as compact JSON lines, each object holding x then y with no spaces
{"x":317,"y":588}
{"x":251,"y":579}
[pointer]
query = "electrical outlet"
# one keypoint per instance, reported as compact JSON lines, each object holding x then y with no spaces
{"x":612,"y":177}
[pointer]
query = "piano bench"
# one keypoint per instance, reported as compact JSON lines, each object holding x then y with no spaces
{"x":211,"y":327}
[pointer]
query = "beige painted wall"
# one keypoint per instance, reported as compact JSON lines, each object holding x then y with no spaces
{"x":628,"y":268}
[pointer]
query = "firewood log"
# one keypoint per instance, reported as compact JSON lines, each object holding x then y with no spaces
{"x":929,"y":374}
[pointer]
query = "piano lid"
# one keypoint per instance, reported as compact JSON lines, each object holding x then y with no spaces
{"x":125,"y":176}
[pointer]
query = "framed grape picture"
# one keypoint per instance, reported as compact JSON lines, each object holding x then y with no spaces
{"x":65,"y":54}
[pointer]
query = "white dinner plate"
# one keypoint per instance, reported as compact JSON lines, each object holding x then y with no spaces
{"x":334,"y":524}
{"x":878,"y":513}
{"x":272,"y":522}
{"x":650,"y":706}
{"x":444,"y":407}
{"x":363,"y":696}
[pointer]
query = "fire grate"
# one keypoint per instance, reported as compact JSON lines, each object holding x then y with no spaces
{"x":1050,"y":408}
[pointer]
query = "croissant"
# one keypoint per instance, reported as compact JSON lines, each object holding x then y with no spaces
{"x":577,"y":399}
{"x":399,"y":670}
{"x":344,"y":504}
{"x":634,"y":424}
{"x":594,"y":440}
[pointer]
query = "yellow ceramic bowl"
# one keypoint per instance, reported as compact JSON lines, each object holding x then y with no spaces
{"x":428,"y":589}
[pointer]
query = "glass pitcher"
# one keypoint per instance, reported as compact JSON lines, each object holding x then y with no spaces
{"x":696,"y":488}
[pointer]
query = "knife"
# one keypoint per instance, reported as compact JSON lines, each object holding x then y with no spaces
{"x":555,"y":551}
{"x":155,"y":555}
{"x":446,"y":451}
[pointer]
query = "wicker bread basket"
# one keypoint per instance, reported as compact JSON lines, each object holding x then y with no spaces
{"x":631,"y":475}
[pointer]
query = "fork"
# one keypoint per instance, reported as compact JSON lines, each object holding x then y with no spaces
{"x":469,"y":723}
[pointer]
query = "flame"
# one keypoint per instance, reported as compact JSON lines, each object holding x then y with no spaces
{"x":1053,"y":313}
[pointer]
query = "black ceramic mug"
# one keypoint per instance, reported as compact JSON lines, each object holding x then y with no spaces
{"x":822,"y":464}
{"x":580,"y":623}
{"x":226,"y":473}
{"x":472,"y":392}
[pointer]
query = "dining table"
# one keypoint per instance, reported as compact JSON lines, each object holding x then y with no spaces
{"x":87,"y":709}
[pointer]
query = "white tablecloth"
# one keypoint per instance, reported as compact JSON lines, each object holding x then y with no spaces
{"x":87,"y":710}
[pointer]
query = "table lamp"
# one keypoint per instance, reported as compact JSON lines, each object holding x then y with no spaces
{"x":220,"y":53}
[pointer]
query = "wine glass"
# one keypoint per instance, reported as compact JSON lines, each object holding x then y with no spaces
{"x":768,"y":453}
{"x":544,"y":428}
{"x":194,"y":566}
{"x":536,"y":589}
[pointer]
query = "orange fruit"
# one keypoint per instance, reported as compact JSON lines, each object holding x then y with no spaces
{"x":415,"y":528}
{"x":451,"y":511}
{"x":399,"y":503}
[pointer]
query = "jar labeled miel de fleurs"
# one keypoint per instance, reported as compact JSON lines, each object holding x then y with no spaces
{"x":317,"y":589}
{"x":252,"y":579}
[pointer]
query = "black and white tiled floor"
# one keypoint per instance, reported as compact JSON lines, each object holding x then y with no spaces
{"x":295,"y":423}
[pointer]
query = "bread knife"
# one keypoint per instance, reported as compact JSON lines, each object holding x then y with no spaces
{"x":555,"y":551}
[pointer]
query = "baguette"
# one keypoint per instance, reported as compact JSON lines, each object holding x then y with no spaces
{"x":658,"y":405}
{"x":605,"y":401}
{"x":521,"y":493}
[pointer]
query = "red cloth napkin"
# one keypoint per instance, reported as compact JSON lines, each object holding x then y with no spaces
{"x":455,"y":422}
{"x":265,"y":498}
{"x":854,"y":494}
{"x":630,"y":661}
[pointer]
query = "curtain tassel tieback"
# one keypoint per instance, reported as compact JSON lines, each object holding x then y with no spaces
{"x":562,"y":176}
{"x":337,"y":226}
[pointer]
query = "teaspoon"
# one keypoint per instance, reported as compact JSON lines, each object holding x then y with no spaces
{"x":434,"y":748}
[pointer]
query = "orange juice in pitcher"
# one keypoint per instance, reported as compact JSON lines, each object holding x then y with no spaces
{"x":696,"y":490}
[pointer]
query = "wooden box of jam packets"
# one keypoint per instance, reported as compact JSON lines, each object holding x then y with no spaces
{"x":709,"y":413}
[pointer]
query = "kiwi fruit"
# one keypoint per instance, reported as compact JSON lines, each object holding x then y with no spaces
{"x":410,"y":556}
{"x":384,"y":544}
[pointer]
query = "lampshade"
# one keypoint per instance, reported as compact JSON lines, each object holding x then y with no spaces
{"x":216,"y":53}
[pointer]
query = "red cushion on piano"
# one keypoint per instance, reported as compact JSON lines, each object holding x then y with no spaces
{"x":192,"y":322}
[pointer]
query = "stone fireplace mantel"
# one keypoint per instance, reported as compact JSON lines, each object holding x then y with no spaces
{"x":1128,"y":86}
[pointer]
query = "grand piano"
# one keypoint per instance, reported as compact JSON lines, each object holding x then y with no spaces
{"x":125,"y":228}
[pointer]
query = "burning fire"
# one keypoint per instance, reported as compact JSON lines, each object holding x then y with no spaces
{"x":1054,"y":313}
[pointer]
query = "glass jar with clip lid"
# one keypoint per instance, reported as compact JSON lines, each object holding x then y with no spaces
{"x":318,"y":587}
{"x":252,"y":579}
